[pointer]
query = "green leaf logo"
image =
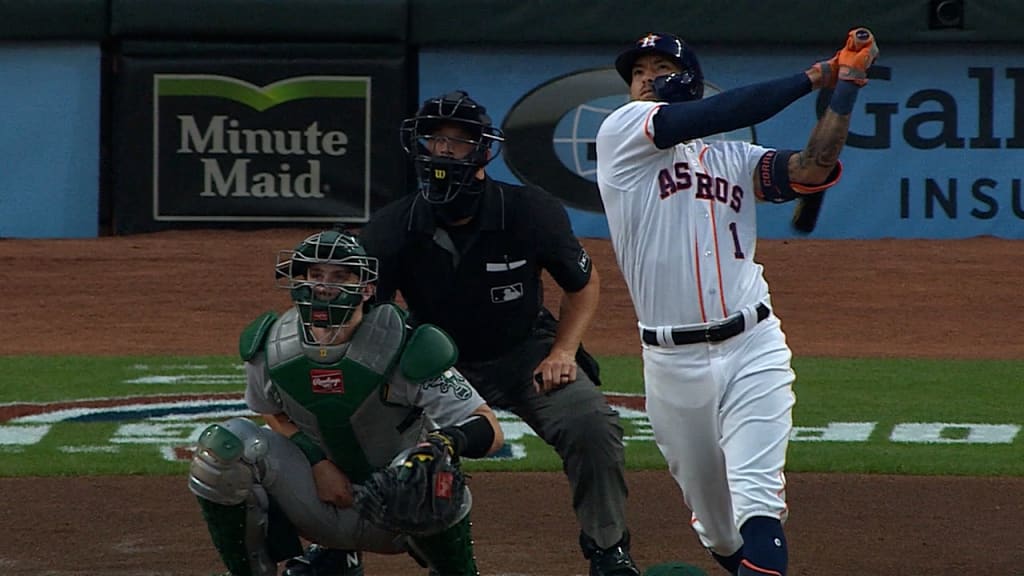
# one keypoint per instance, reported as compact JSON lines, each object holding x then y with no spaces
{"x":257,"y":98}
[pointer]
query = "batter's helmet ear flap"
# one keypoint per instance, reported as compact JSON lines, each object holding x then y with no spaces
{"x":689,"y":85}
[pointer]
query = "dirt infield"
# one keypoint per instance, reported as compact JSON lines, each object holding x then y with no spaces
{"x":191,"y":292}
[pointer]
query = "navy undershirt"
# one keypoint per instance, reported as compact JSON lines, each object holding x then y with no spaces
{"x":727,"y":111}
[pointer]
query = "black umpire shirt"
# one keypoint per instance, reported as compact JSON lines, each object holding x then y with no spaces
{"x":487,"y":293}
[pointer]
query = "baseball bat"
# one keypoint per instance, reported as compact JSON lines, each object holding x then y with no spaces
{"x":805,"y":215}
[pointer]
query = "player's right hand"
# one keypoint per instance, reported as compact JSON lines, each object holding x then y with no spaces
{"x":857,"y":56}
{"x":332,"y":485}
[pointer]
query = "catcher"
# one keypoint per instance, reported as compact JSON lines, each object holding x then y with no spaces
{"x":367,"y":421}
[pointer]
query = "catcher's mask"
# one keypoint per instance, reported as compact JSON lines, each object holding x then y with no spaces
{"x":449,"y":140}
{"x":687,"y":84}
{"x":329,"y":276}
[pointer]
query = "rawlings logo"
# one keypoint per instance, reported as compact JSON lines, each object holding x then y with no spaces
{"x":327,"y":381}
{"x":443,"y":485}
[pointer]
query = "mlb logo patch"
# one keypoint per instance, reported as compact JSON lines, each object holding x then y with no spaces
{"x":327,"y":381}
{"x":584,"y":260}
{"x":508,"y":293}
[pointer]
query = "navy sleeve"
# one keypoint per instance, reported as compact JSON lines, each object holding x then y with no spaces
{"x":559,"y":251}
{"x":727,"y":111}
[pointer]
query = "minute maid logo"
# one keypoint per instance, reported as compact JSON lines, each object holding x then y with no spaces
{"x":228,"y":150}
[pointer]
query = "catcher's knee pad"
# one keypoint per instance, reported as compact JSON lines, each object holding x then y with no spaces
{"x":223,"y":467}
{"x":223,"y":475}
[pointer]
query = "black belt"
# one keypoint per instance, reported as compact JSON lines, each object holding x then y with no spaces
{"x":713,"y":333}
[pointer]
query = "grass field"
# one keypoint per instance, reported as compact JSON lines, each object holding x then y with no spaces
{"x":139,"y":415}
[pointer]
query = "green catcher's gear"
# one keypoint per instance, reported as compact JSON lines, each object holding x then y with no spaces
{"x":336,"y":394}
{"x":428,"y":354}
{"x":448,"y":553}
{"x":336,"y":398}
{"x":251,"y":340}
{"x":237,"y":511}
{"x":327,"y":247}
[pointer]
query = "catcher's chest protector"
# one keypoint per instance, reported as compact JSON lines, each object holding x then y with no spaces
{"x":338,"y":400}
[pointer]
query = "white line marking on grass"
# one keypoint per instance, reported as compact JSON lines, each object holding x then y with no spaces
{"x":90,"y":449}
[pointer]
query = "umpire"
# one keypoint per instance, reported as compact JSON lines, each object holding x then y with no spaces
{"x":466,"y":253}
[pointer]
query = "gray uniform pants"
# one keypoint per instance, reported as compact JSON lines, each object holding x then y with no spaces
{"x":576,"y":421}
{"x":288,"y":479}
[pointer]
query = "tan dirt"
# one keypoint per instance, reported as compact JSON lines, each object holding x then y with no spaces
{"x":190,"y":292}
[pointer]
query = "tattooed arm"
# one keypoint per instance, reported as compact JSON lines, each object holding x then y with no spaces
{"x":818,"y":159}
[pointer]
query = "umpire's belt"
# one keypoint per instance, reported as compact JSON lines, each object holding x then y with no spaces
{"x":711,"y":333}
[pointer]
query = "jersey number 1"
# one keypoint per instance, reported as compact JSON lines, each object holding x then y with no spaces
{"x":737,"y":251}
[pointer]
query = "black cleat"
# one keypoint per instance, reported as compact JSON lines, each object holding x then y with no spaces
{"x":612,"y":561}
{"x":321,"y":561}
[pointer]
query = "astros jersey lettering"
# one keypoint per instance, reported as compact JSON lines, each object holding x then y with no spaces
{"x":698,"y":194}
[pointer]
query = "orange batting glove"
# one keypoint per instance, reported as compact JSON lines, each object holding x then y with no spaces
{"x":829,"y":70}
{"x":857,"y":56}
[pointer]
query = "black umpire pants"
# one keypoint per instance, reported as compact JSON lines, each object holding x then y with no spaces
{"x":575,"y":420}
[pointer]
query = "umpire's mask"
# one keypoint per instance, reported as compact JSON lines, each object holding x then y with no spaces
{"x":449,"y":140}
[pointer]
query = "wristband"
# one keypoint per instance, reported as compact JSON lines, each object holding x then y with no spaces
{"x":472,"y":437}
{"x":843,"y":97}
{"x":313,"y":452}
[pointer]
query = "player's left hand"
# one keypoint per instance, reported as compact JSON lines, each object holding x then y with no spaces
{"x":555,"y":371}
{"x":420,"y":493}
{"x":827,"y":73}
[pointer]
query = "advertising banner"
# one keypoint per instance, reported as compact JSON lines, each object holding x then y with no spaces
{"x":49,"y":140}
{"x":934,"y":151}
{"x":274,"y":141}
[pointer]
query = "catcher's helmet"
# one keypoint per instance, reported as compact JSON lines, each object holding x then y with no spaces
{"x":688,"y":84}
{"x":326,"y":302}
{"x":442,"y":177}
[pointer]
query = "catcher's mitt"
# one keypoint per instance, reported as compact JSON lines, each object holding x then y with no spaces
{"x":421,"y":493}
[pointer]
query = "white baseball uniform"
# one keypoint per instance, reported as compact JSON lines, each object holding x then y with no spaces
{"x":683,"y":225}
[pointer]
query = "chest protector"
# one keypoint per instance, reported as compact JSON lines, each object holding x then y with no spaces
{"x":336,"y":394}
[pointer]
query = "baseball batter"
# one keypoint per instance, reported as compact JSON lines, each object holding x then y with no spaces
{"x":682,"y":216}
{"x":343,"y":388}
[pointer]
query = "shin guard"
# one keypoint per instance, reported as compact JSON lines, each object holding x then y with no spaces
{"x":450,"y":552}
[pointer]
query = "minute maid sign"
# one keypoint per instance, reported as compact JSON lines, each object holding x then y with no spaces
{"x":294,"y":150}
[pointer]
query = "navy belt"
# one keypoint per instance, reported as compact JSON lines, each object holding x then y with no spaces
{"x":714,"y":333}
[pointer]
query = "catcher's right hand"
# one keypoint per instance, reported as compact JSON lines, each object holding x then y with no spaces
{"x":421,"y":493}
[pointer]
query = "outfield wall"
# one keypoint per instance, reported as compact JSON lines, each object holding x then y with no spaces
{"x":126,"y":116}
